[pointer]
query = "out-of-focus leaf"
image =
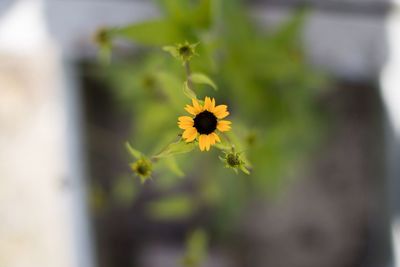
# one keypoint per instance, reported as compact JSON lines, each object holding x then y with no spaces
{"x":172,"y":50}
{"x":157,"y":120}
{"x":202,"y":14}
{"x":174,"y":167}
{"x":211,"y":192}
{"x":223,"y":146}
{"x":188,"y":92}
{"x":245,"y":170}
{"x":289,"y":33}
{"x":196,"y":249}
{"x":135,"y":153}
{"x":201,"y":78}
{"x":171,"y":86}
{"x":124,"y":190}
{"x":105,"y":54}
{"x":155,"y":32}
{"x":174,"y":8}
{"x":193,"y":14}
{"x":225,"y":143}
{"x":171,"y":208}
{"x":175,"y":148}
{"x":98,"y":200}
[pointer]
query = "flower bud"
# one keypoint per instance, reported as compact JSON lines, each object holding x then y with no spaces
{"x":184,"y":51}
{"x":102,"y":37}
{"x":142,"y":168}
{"x":235,"y":161}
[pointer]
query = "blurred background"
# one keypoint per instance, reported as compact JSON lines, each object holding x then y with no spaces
{"x":313,"y":87}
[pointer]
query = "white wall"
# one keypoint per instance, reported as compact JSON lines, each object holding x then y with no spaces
{"x":43,"y":218}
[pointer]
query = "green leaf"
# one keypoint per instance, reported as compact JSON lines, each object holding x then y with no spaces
{"x":202,"y":15}
{"x":104,"y":54}
{"x":155,"y":32}
{"x":171,"y":208}
{"x":175,"y":148}
{"x":193,"y":14}
{"x":98,"y":198}
{"x":225,"y":144}
{"x":135,"y":153}
{"x":245,"y":170}
{"x":123,"y":190}
{"x":201,"y":78}
{"x":171,"y":87}
{"x":172,"y":50}
{"x":211,"y":191}
{"x":197,"y":242}
{"x":187,"y":91}
{"x":174,"y":8}
{"x":196,"y":248}
{"x":174,"y":167}
{"x":288,"y":34}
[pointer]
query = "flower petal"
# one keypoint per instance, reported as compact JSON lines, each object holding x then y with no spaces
{"x":185,"y":125}
{"x":216,"y":137}
{"x":223,"y":126}
{"x":208,"y":104}
{"x":190,"y":138}
{"x":197,"y":106}
{"x":189,"y":134}
{"x":185,"y":122}
{"x":211,"y":138}
{"x":220,"y":111}
{"x":222,"y":115}
{"x":191,"y":110}
{"x":202,"y":141}
{"x":208,"y":142}
{"x":185,"y":119}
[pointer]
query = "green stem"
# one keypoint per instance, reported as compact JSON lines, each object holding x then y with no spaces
{"x":155,"y":157}
{"x":188,"y":73}
{"x":228,"y":139}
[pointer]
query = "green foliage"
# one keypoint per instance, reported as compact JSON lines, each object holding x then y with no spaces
{"x":157,"y":32}
{"x":175,"y":207}
{"x":175,"y":148}
{"x":234,"y":160}
{"x":98,"y":200}
{"x":201,"y":78}
{"x":196,"y":249}
{"x":134,"y":152}
{"x":124,"y":190}
{"x":174,"y":167}
{"x":263,"y":76}
{"x":142,"y":167}
{"x":103,"y":40}
{"x":188,"y":92}
{"x":184,"y":51}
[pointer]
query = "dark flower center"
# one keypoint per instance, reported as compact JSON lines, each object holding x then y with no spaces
{"x":184,"y":50}
{"x":233,"y":160}
{"x":205,"y":122}
{"x":142,"y":170}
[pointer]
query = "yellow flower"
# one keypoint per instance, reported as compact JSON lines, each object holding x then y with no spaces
{"x":204,"y":123}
